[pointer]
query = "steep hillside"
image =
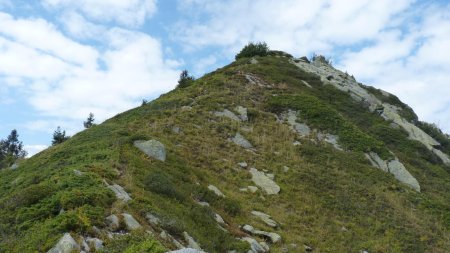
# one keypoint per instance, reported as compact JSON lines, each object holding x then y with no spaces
{"x":268,"y":154}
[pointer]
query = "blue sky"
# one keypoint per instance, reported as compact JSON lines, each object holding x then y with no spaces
{"x":61,"y":59}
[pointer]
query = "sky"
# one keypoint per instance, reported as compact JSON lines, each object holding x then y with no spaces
{"x":62,"y":59}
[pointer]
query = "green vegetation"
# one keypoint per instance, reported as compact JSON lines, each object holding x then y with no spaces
{"x":253,"y":49}
{"x":11,"y":150}
{"x":331,"y":200}
{"x":437,"y":134}
{"x":59,"y":136}
{"x":184,"y":81}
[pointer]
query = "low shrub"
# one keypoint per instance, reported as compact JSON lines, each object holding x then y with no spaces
{"x":253,"y":49}
{"x":160,"y":183}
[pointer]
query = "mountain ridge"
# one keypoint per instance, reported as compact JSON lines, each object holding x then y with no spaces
{"x":268,"y":154}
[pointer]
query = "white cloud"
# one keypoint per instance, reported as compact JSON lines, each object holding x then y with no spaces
{"x":34,"y":149}
{"x":76,"y":25}
{"x":130,"y":12}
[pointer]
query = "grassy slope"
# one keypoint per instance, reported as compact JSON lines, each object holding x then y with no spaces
{"x":334,"y":201}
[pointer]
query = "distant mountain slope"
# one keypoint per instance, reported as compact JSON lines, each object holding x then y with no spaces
{"x":268,"y":154}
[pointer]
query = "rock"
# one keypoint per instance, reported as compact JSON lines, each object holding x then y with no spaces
{"x":306,"y":84}
{"x":239,"y":140}
{"x":176,"y":129}
{"x":300,"y":128}
{"x":265,"y":246}
{"x":252,"y":189}
{"x":399,"y":171}
{"x":255,"y":247}
{"x":120,"y":192}
{"x":273,"y":237}
{"x":130,"y":222}
{"x":186,"y":250}
{"x":219,"y":218}
{"x":264,"y":182}
{"x":243,"y":189}
{"x":165,"y":236}
{"x":78,"y":173}
{"x":191,"y":242}
{"x":308,"y":248}
{"x":152,"y":219}
{"x":84,"y":246}
{"x":186,"y":108}
{"x":329,"y":138}
{"x":296,"y":143}
{"x":396,"y":168}
{"x":95,"y":243}
{"x":152,"y":148}
{"x":65,"y":245}
{"x":203,"y":203}
{"x":14,"y":166}
{"x":253,"y":61}
{"x":243,"y":164}
{"x":228,"y":114}
{"x":270,"y":175}
{"x":216,"y":190}
{"x":265,"y":218}
{"x":112,"y":222}
{"x":242,"y":113}
{"x":285,"y":169}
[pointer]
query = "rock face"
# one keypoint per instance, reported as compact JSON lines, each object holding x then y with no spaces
{"x":389,"y":112}
{"x":65,"y":245}
{"x":396,"y":168}
{"x":216,"y":190}
{"x":239,"y":140}
{"x":130,"y":222}
{"x":191,"y":242}
{"x":228,"y":114}
{"x":264,"y":182}
{"x":152,"y":148}
{"x":265,"y":218}
{"x":120,"y":192}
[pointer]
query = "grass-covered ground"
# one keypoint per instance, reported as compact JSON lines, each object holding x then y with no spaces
{"x":331,"y":200}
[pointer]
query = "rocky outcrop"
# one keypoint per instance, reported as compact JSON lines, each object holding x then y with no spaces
{"x":344,"y":82}
{"x":112,"y":222}
{"x":227,"y":114}
{"x":120,"y":192}
{"x":273,"y":237}
{"x":239,"y":140}
{"x":152,"y":148}
{"x":153,"y":219}
{"x":191,"y":242}
{"x":330,"y":138}
{"x":242,"y":113}
{"x":396,"y":168}
{"x":65,"y":245}
{"x":130,"y":222}
{"x":255,"y":247}
{"x":216,"y":190}
{"x":264,"y":182}
{"x":291,"y":118}
{"x":265,"y":218}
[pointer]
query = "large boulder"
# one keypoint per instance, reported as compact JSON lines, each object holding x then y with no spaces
{"x":227,"y":114}
{"x":152,"y":148}
{"x":112,"y":222}
{"x":191,"y":242}
{"x":265,"y":218}
{"x":264,"y":182}
{"x":255,"y":247}
{"x":273,"y":237}
{"x":65,"y":245}
{"x":216,"y":190}
{"x":120,"y":192}
{"x":239,"y":140}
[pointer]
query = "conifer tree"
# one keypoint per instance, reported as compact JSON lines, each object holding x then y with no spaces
{"x":11,"y":149}
{"x":59,"y":136}
{"x":89,"y":121}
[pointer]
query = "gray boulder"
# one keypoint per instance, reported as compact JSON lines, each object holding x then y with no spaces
{"x":227,"y":114}
{"x":14,"y":166}
{"x":300,"y":128}
{"x":120,"y":192}
{"x":255,"y":247}
{"x":242,"y":113}
{"x":215,"y":190}
{"x":112,"y":222}
{"x":65,"y":245}
{"x":152,"y":219}
{"x":130,"y":222}
{"x":239,"y":140}
{"x":186,"y":250}
{"x":191,"y":242}
{"x":265,"y":218}
{"x":264,"y":182}
{"x":152,"y":148}
{"x":95,"y":243}
{"x":273,"y":237}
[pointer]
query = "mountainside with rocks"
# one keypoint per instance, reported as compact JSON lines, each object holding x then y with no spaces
{"x":268,"y":154}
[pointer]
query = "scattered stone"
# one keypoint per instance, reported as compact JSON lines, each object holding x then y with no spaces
{"x":78,"y":173}
{"x":265,"y":246}
{"x":239,"y":140}
{"x":176,"y":129}
{"x":270,"y":175}
{"x":191,"y":242}
{"x":242,"y":113}
{"x":265,"y":218}
{"x":219,"y":218}
{"x":186,"y":108}
{"x":120,"y":192}
{"x":329,"y":138}
{"x":252,"y":189}
{"x":363,"y":251}
{"x":228,"y":114}
{"x":285,"y":169}
{"x":308,"y":248}
{"x":216,"y":190}
{"x":253,"y":61}
{"x":65,"y":245}
{"x":165,"y":236}
{"x":130,"y":222}
{"x":152,"y":219}
{"x":300,"y":128}
{"x":113,"y":222}
{"x":84,"y":246}
{"x":255,"y":247}
{"x":243,"y":164}
{"x":306,"y":84}
{"x":96,"y":243}
{"x":296,"y":143}
{"x":152,"y":148}
{"x":203,"y":203}
{"x":14,"y":166}
{"x":273,"y":237}
{"x":264,"y":182}
{"x":396,"y":168}
{"x":186,"y":250}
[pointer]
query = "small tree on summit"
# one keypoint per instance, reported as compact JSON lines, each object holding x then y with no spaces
{"x":89,"y":121}
{"x":185,"y":79}
{"x":59,"y":136}
{"x":253,"y":49}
